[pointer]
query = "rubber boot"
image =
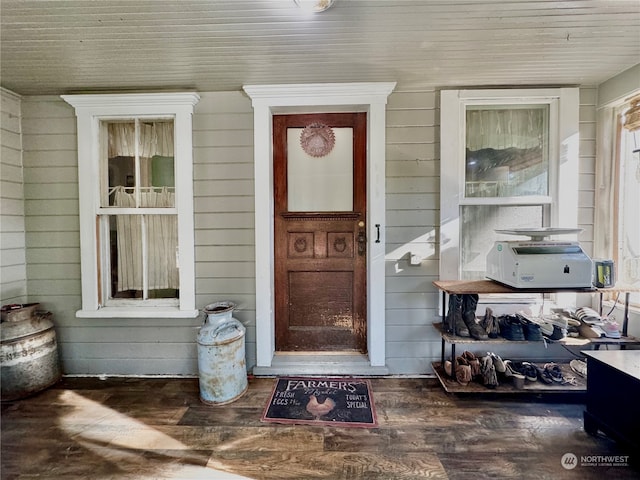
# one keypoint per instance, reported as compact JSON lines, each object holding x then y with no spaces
{"x":469,"y":304}
{"x":455,"y":323}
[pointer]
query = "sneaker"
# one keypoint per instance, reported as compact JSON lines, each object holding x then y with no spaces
{"x":579,"y":367}
{"x":611,"y":328}
{"x":543,"y":376}
{"x":530,"y":372}
{"x":567,"y":315}
{"x":554,"y":372}
{"x":525,"y":369}
{"x":556,"y":319}
{"x":573,"y":332}
{"x":532,"y":332}
{"x":546,"y":328}
{"x":558,"y":333}
{"x":511,"y":327}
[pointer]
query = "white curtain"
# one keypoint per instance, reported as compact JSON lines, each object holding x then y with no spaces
{"x":156,"y":138}
{"x":500,"y":129}
{"x":162,"y":242}
{"x":606,"y":155}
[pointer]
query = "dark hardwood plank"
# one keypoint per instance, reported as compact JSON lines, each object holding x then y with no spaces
{"x":87,"y":428}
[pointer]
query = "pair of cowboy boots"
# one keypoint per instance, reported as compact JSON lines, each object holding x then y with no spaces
{"x":461,"y":317}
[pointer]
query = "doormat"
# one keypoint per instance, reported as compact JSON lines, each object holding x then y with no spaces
{"x":343,"y":402}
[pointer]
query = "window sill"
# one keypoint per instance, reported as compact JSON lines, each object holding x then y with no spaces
{"x":141,"y":312}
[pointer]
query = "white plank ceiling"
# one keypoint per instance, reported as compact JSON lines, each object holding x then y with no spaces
{"x":62,"y":46}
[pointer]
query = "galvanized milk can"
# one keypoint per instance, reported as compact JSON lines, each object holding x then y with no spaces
{"x":28,"y":351}
{"x":221,"y":356}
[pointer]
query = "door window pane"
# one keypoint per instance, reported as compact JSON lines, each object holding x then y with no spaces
{"x":477,"y":232}
{"x":507,"y":150}
{"x":320,"y":184}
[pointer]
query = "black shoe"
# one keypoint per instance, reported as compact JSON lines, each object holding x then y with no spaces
{"x":529,"y":371}
{"x":558,"y":333}
{"x":543,"y":376}
{"x":530,"y":330}
{"x":554,"y":372}
{"x":511,"y":328}
{"x":526,"y":369}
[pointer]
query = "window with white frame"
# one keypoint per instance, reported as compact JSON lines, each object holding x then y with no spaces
{"x":136,"y":204}
{"x":509,"y":159}
{"x":627,"y":247}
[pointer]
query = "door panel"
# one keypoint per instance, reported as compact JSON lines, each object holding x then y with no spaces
{"x":320,"y":256}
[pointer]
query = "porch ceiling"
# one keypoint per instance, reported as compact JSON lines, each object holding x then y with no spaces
{"x":64,"y":46}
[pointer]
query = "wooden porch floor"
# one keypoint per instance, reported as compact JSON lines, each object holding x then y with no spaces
{"x":87,"y":428}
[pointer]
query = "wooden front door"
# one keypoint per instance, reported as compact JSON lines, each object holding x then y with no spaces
{"x":320,"y":241}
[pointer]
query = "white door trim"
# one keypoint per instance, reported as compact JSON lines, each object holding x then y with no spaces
{"x":268,"y":100}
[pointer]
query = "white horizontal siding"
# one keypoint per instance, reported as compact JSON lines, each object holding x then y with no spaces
{"x":51,"y":214}
{"x":412,"y":218}
{"x":413,"y":190}
{"x":587,"y":161}
{"x":224,"y":206}
{"x":223,"y":203}
{"x":224,"y":234}
{"x":13,"y":277}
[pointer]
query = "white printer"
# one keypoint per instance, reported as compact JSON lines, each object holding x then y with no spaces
{"x":538,"y":262}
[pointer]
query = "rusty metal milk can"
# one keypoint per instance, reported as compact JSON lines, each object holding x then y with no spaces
{"x":221,"y":356}
{"x":28,"y":351}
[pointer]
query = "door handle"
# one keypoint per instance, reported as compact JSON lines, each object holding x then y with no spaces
{"x":362,"y":242}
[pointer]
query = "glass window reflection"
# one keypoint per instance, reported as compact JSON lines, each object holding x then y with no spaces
{"x":507,"y":150}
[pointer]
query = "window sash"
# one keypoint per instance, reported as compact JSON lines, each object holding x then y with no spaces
{"x":626,"y":240}
{"x":559,"y":206}
{"x":497,"y":136}
{"x":131,"y":147}
{"x":91,"y":110}
{"x":550,"y":142}
{"x":138,"y":261}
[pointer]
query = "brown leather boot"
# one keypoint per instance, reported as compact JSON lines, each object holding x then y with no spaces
{"x":469,"y":304}
{"x":455,"y":323}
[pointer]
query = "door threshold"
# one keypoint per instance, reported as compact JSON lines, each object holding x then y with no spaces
{"x":320,"y":363}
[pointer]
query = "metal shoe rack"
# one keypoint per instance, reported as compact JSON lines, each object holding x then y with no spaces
{"x":465,"y":287}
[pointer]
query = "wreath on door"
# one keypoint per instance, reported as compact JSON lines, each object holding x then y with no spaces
{"x":317,"y":139}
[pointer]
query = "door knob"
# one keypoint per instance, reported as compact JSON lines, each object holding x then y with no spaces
{"x":362,"y":242}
